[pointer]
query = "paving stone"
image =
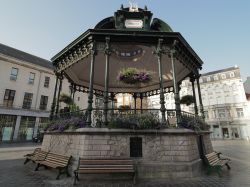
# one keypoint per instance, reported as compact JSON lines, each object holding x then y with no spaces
{"x":13,"y":173}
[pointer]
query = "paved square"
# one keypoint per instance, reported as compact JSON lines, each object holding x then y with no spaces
{"x":13,"y":173}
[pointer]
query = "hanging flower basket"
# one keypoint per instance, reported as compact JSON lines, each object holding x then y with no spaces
{"x":134,"y":76}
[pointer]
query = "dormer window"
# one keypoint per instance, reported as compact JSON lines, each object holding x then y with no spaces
{"x":223,"y":76}
{"x":231,"y":74}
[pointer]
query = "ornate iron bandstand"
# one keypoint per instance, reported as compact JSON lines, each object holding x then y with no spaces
{"x":129,"y":39}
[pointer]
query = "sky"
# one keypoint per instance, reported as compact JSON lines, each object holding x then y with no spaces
{"x":218,"y":30}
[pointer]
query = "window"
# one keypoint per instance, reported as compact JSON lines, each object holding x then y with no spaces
{"x":222,"y":113}
{"x":27,"y":100}
{"x":223,"y":76}
{"x":46,"y":82}
{"x":43,"y":102}
{"x":231,"y":74}
{"x":78,"y":99}
{"x":13,"y":74}
{"x":206,"y":114}
{"x":216,"y":78}
{"x":240,"y":112}
{"x":99,"y":103}
{"x":214,"y":113}
{"x":31,"y":78}
{"x":9,"y":97}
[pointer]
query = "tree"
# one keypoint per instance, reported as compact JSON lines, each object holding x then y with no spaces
{"x":187,"y":100}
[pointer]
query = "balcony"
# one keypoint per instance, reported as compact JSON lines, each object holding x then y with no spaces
{"x":23,"y":108}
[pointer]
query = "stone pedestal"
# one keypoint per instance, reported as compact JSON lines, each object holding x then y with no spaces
{"x":168,"y":153}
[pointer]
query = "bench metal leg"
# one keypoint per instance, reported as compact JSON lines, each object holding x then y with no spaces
{"x":38,"y":165}
{"x":26,"y":161}
{"x":76,"y":178}
{"x":134,"y":178}
{"x":228,"y":167}
{"x":59,"y":174}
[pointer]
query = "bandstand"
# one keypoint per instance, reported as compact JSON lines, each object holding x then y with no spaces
{"x":92,"y":63}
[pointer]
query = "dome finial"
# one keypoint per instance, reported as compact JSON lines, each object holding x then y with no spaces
{"x":133,"y":7}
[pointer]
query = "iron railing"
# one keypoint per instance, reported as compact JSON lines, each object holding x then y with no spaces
{"x":135,"y":117}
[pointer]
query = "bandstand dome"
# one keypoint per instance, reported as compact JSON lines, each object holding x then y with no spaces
{"x":133,"y":40}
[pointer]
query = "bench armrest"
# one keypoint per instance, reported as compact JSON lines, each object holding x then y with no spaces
{"x":31,"y":154}
{"x":225,"y":159}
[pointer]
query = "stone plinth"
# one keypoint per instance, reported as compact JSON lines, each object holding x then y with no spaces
{"x":165,"y":153}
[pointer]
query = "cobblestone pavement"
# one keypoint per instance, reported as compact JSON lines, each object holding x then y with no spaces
{"x":13,"y":173}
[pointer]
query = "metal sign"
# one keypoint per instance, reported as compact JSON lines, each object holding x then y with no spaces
{"x":133,"y":23}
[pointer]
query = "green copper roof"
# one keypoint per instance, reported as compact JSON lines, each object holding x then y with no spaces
{"x":140,"y":16}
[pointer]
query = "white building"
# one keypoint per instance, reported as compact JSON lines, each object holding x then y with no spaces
{"x":247,"y":85}
{"x":27,"y":86}
{"x":224,"y":100}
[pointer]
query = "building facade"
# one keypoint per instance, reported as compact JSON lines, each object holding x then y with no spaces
{"x":225,"y":104}
{"x":27,"y":86}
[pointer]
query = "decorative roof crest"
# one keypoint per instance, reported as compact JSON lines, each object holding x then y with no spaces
{"x":133,"y":7}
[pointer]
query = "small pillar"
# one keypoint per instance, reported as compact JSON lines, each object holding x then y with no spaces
{"x":176,"y":89}
{"x":53,"y":106}
{"x":192,"y":79}
{"x":141,"y":98}
{"x":106,"y":89}
{"x":59,"y":92}
{"x":158,"y":53}
{"x":200,"y":98}
{"x":17,"y":126}
{"x":135,"y":97}
{"x":91,"y":81}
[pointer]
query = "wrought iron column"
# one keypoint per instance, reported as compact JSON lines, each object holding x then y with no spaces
{"x":158,"y":53}
{"x":106,"y":90}
{"x":176,"y":89}
{"x":192,"y":79}
{"x":53,"y":106}
{"x":135,"y":97}
{"x":71,"y":91}
{"x":200,"y":98}
{"x":59,"y":92}
{"x":112,"y":95}
{"x":74,"y":91}
{"x":141,"y":98}
{"x":91,"y":81}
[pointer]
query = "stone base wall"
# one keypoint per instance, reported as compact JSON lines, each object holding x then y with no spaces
{"x":207,"y":143}
{"x":165,"y":153}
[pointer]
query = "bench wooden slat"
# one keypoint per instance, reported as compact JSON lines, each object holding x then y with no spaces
{"x":56,"y":161}
{"x":214,"y":161}
{"x":99,"y":166}
{"x":37,"y":155}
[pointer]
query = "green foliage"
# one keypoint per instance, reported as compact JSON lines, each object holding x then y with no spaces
{"x":124,"y":107}
{"x":194,"y":123}
{"x":187,"y":100}
{"x":142,"y":121}
{"x":66,"y":99}
{"x":134,"y":76}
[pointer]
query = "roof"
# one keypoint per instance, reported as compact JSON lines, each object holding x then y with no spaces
{"x":220,"y":71}
{"x":20,"y":55}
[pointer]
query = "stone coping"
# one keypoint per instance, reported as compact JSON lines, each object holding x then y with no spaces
{"x":106,"y":131}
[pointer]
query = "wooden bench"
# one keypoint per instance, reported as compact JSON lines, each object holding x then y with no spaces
{"x":56,"y":161}
{"x":215,"y":162}
{"x":37,"y":155}
{"x":103,"y":166}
